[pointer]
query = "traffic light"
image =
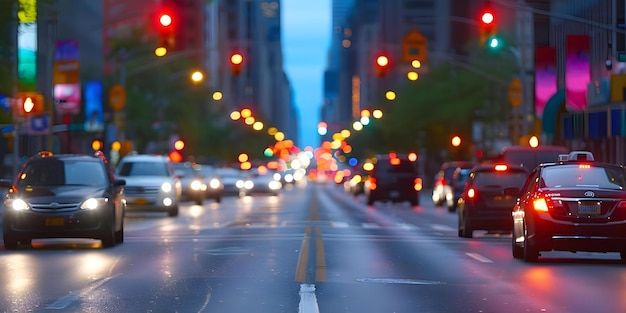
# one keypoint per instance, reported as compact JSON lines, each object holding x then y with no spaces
{"x":488,"y":31}
{"x":382,"y":65}
{"x":167,"y":35}
{"x":236,"y":62}
{"x":29,"y":104}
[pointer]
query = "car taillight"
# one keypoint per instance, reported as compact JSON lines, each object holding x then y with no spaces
{"x":471,"y":193}
{"x":372,"y":183}
{"x":417,"y":184}
{"x":622,"y":205}
{"x":540,"y":205}
{"x":444,"y":182}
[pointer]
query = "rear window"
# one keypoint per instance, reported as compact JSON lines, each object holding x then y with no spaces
{"x":531,"y":158}
{"x":141,"y":168}
{"x":572,"y":176}
{"x":384,"y":166}
{"x":500,"y":179}
{"x":59,"y":173}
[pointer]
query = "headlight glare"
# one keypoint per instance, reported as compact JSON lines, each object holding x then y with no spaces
{"x":18,"y":205}
{"x":93,"y":203}
{"x":166,"y":187}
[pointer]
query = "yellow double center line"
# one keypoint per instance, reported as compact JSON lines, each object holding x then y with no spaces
{"x":312,"y":234}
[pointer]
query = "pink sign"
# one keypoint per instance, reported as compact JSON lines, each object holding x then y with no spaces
{"x":545,"y":77}
{"x":67,"y":99}
{"x":577,"y":72}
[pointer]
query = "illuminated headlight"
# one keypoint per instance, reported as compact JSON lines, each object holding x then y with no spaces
{"x":17,"y":204}
{"x":93,"y":203}
{"x":288,"y":178}
{"x":275,"y":185}
{"x":248,"y":184}
{"x":277,"y":176}
{"x":166,"y":187}
{"x":239,"y":184}
{"x":196,"y":185}
{"x":215,"y":183}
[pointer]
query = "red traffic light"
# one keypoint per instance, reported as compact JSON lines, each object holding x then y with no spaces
{"x":382,"y":65}
{"x":165,"y":20}
{"x":29,"y":103}
{"x":236,"y":61}
{"x":487,"y":17}
{"x":166,"y":29}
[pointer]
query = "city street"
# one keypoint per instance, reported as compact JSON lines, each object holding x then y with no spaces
{"x":314,"y":248}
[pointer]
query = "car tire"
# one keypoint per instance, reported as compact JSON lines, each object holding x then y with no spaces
{"x":218,"y":199}
{"x":10,"y":242}
{"x":199,"y":201}
{"x":119,"y":235}
{"x":173,"y":211}
{"x":108,"y":238}
{"x":517,"y":250}
{"x":467,"y":231}
{"x":530,"y":252}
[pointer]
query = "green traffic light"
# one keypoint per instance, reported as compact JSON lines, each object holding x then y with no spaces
{"x":493,"y":43}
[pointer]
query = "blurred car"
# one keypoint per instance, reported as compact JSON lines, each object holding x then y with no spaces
{"x":193,"y":185}
{"x":575,"y":204}
{"x":457,"y":184}
{"x":530,"y":157}
{"x":441,"y":187}
{"x":256,"y":183}
{"x":394,"y":178}
{"x":214,"y":185}
{"x":151,"y":183}
{"x":230,"y":177}
{"x":63,"y":196}
{"x":483,"y":204}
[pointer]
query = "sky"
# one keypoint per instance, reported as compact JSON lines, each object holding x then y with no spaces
{"x":306,"y":30}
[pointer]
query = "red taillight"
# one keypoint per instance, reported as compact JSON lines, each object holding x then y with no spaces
{"x":444,"y":181}
{"x":372,"y":183}
{"x":622,"y":205}
{"x":417,"y":184}
{"x":471,"y":193}
{"x":540,"y":205}
{"x":501,"y":167}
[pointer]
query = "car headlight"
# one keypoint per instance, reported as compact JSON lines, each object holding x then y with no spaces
{"x":275,"y":185}
{"x":277,"y":176}
{"x":196,"y":185}
{"x":93,"y":203}
{"x":166,"y":187}
{"x":239,"y":184}
{"x":17,"y":204}
{"x":215,"y":183}
{"x":248,"y":184}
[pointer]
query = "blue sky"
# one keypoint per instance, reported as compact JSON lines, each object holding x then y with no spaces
{"x":306,"y":31}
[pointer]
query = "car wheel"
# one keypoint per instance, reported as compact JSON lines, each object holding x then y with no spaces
{"x":518,"y":251}
{"x":108,"y":238}
{"x":467,"y":226}
{"x":10,"y":243}
{"x":530,"y":252}
{"x":173,"y":211}
{"x":199,"y":201}
{"x":218,"y":199}
{"x":119,"y":235}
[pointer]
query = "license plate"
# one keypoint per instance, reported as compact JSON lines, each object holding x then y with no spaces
{"x":588,"y":209}
{"x":55,"y":221}
{"x":141,"y":201}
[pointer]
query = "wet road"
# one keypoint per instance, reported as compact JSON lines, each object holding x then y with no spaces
{"x":312,"y":249}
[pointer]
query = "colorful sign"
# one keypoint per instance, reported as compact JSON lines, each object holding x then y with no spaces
{"x":27,"y":43}
{"x":545,"y":77}
{"x":577,"y":72}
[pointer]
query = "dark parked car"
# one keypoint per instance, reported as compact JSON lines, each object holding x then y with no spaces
{"x":483,"y":204}
{"x":575,"y":204}
{"x":394,"y":178}
{"x":63,"y":196}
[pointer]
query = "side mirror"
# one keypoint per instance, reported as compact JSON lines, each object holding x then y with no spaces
{"x":119,"y":182}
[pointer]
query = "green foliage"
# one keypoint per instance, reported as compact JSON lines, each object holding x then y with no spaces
{"x":427,"y":112}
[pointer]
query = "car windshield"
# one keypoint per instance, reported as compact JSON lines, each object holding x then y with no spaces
{"x":143,"y":168}
{"x":185,"y":170}
{"x":500,"y":179}
{"x":574,"y":176}
{"x":384,"y":166}
{"x":58,"y":173}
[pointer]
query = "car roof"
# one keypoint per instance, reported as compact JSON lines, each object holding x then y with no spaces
{"x":483,"y":167}
{"x":145,"y":157}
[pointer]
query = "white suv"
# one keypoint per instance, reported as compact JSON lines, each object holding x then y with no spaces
{"x":151,"y":184}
